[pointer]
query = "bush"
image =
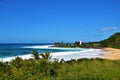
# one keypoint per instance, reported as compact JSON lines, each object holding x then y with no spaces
{"x":82,"y":69}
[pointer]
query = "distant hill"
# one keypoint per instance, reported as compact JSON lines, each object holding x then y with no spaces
{"x":112,"y":41}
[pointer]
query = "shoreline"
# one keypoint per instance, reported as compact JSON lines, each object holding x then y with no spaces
{"x":85,"y":53}
{"x":113,"y":54}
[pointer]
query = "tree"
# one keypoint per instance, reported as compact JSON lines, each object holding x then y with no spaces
{"x":112,"y":41}
{"x":35,"y":54}
{"x":46,"y":56}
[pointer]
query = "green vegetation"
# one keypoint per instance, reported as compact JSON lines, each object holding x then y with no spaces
{"x":113,"y":41}
{"x":46,"y":56}
{"x":61,"y":44}
{"x":41,"y":69}
{"x":35,"y":54}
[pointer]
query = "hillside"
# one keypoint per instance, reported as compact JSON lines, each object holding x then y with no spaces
{"x":113,"y":41}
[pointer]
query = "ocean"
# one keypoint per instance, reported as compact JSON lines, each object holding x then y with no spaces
{"x":11,"y":50}
{"x":8,"y":52}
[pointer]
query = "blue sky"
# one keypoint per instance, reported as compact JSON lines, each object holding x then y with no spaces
{"x":40,"y":21}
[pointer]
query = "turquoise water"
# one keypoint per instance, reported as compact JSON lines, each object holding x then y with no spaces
{"x":10,"y":50}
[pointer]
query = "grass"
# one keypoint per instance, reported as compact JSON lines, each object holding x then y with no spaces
{"x":82,"y":69}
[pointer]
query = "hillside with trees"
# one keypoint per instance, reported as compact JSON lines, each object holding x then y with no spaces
{"x":113,"y":41}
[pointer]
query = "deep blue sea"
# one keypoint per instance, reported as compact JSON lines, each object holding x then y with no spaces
{"x":10,"y":50}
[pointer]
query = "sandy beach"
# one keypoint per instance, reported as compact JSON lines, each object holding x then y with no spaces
{"x":114,"y":54}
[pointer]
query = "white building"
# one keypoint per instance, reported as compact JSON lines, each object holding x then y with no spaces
{"x":80,"y":42}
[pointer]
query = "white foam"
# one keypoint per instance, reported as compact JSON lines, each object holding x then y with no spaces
{"x":66,"y":48}
{"x":90,"y":53}
{"x":37,"y":47}
{"x":51,"y":47}
{"x":87,"y":53}
{"x":8,"y":59}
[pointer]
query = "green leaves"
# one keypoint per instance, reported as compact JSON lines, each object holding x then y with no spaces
{"x":35,"y":54}
{"x":82,"y":69}
{"x":46,"y":56}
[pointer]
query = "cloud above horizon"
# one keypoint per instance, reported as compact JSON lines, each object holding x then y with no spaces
{"x":112,"y":28}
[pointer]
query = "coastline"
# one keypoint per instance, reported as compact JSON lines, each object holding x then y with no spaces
{"x":85,"y":53}
{"x":104,"y":53}
{"x":113,"y":54}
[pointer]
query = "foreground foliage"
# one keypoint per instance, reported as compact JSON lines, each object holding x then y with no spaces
{"x":39,"y":69}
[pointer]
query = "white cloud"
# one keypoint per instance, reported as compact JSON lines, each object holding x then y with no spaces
{"x":112,"y":28}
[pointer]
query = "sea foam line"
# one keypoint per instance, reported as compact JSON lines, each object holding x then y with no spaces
{"x":89,"y":53}
{"x":38,"y":47}
{"x":51,"y":47}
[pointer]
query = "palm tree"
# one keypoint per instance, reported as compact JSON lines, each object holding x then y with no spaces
{"x":35,"y":54}
{"x":46,"y":56}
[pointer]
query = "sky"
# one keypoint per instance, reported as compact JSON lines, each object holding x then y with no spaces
{"x":49,"y":21}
